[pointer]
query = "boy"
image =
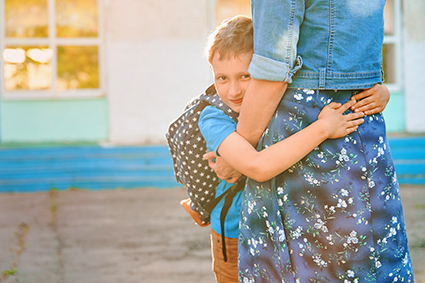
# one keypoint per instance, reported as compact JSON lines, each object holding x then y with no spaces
{"x":229,"y":51}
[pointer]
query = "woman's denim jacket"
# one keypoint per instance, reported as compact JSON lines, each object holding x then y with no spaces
{"x":318,"y":44}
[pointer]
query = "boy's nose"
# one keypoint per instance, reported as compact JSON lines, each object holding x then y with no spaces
{"x":234,"y":89}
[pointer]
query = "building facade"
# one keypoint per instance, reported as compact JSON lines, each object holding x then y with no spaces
{"x":117,"y":72}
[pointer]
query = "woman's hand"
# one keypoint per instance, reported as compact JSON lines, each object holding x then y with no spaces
{"x":371,"y":101}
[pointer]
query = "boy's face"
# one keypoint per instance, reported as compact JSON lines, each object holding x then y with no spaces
{"x":231,"y":78}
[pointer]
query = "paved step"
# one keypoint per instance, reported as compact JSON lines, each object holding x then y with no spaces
{"x":39,"y":169}
{"x":85,"y":167}
{"x":409,"y":159}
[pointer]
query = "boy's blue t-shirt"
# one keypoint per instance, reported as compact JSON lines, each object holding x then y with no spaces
{"x":215,"y":126}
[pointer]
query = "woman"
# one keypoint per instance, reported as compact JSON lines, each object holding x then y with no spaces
{"x":336,"y":216}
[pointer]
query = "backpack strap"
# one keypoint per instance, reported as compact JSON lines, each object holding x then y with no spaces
{"x":229,"y":194}
{"x":227,"y":203}
{"x":214,"y":99}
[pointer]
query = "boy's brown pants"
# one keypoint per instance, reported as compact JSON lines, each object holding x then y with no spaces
{"x":225,"y":272}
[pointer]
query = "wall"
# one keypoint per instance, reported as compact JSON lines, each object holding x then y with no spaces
{"x":394,"y":113}
{"x":32,"y":121}
{"x":414,"y":64}
{"x":154,"y":64}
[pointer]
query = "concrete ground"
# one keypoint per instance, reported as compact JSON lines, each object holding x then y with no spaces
{"x":140,"y":235}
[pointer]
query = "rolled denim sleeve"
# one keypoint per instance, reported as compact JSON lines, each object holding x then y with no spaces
{"x":276,"y":32}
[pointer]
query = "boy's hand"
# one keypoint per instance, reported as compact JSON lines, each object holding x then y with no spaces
{"x":335,"y":123}
{"x":223,"y":170}
{"x":371,"y":101}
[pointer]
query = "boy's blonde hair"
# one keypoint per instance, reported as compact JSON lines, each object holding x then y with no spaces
{"x":232,"y":37}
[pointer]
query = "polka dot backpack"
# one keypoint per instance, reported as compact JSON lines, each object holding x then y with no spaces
{"x":187,"y":146}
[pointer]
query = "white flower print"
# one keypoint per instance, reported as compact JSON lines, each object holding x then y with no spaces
{"x":352,"y":238}
{"x":329,"y":238}
{"x":308,"y":91}
{"x":405,"y":259}
{"x":271,"y":230}
{"x":309,"y":178}
{"x":297,"y":232}
{"x":320,"y":262}
{"x":280,"y":202}
{"x":279,"y":190}
{"x":350,"y":273}
{"x":281,"y":235}
{"x":250,"y":207}
{"x":298,"y":96}
{"x":320,"y":225}
{"x":344,"y":192}
{"x":394,"y":179}
{"x":341,"y":203}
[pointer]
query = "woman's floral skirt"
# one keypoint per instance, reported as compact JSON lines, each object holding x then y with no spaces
{"x":335,"y":216}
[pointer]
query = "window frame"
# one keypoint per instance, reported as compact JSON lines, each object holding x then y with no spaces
{"x":53,"y":42}
{"x":396,"y":41}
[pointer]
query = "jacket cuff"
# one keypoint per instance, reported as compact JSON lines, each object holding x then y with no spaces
{"x":262,"y":68}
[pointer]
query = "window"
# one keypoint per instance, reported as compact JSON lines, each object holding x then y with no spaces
{"x":391,"y":51}
{"x":50,"y":49}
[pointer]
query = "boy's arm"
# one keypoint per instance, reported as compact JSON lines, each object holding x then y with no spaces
{"x":259,"y":104}
{"x":372,"y":101}
{"x":266,"y":164}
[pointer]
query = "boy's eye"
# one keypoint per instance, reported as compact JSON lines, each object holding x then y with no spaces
{"x":221,"y":78}
{"x":246,"y":76}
